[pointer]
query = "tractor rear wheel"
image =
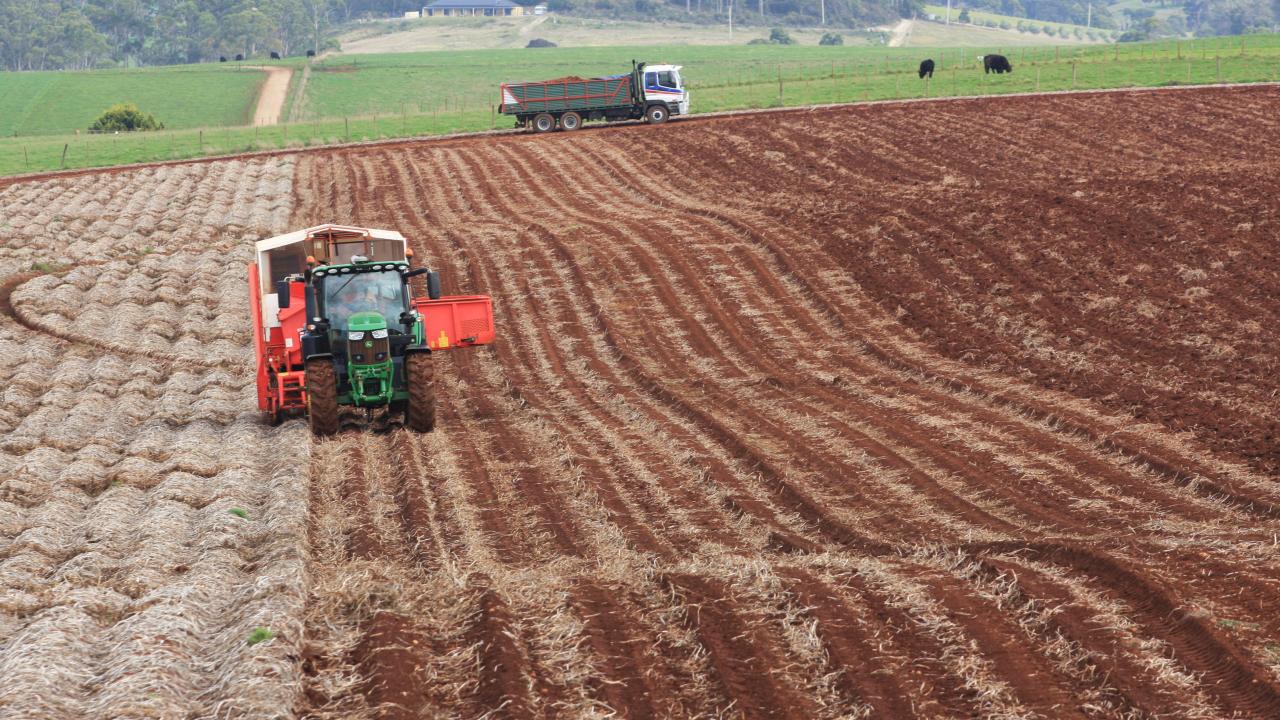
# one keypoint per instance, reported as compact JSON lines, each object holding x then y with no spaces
{"x":420,"y":414}
{"x":322,"y":397}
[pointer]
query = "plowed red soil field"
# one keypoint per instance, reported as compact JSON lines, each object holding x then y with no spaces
{"x":955,"y":409}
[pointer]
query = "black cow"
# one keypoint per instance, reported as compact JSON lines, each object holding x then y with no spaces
{"x":275,"y":55}
{"x":222,"y":58}
{"x":995,"y":64}
{"x":239,"y":57}
{"x":926,"y":69}
{"x":311,"y":53}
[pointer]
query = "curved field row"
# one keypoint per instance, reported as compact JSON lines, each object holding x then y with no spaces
{"x":730,"y":455}
{"x":148,"y":522}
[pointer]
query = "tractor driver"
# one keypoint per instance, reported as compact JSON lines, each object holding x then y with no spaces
{"x":372,"y":292}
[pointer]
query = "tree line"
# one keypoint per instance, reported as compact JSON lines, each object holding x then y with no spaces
{"x":82,"y":34}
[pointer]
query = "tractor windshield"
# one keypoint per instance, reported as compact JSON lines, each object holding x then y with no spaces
{"x":381,"y":292}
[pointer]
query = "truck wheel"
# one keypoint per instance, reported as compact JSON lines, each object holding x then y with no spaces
{"x":420,"y":413}
{"x":656,"y":114}
{"x":543,"y":122}
{"x":570,"y":121}
{"x":322,"y":397}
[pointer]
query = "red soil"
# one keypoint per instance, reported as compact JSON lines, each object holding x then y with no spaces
{"x":779,"y":401}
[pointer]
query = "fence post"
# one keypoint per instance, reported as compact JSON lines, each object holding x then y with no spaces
{"x":202,"y":142}
{"x":779,"y":83}
{"x":346,"y":129}
{"x":1037,"y":78}
{"x":1073,"y":75}
{"x":26,"y":160}
{"x":1218,"y":58}
{"x":65,"y":146}
{"x":1179,"y":49}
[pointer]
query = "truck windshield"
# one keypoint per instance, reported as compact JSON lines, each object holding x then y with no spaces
{"x":380,"y":292}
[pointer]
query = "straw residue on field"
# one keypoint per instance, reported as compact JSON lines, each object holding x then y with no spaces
{"x":149,"y":523}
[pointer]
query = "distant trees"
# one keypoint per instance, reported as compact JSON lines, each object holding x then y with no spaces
{"x":58,"y":34}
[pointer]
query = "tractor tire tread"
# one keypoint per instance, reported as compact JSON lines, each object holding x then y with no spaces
{"x":322,"y":398}
{"x":420,"y":413}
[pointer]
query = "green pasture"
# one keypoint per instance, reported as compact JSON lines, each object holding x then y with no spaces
{"x":433,"y":93}
{"x":51,"y":103}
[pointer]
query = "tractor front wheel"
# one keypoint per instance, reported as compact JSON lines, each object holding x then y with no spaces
{"x":322,"y":397}
{"x":420,"y":414}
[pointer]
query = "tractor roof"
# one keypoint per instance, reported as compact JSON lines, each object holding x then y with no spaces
{"x":296,"y":236}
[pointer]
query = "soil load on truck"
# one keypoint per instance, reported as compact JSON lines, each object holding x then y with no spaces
{"x":652,"y":92}
{"x":336,"y":325}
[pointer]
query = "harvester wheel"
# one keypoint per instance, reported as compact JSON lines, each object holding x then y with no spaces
{"x":420,"y":414}
{"x":570,"y":121}
{"x":322,"y":397}
{"x":543,"y":123}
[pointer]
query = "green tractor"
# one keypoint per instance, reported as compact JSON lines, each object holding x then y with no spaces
{"x":363,"y":340}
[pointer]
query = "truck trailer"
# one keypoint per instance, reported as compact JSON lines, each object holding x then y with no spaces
{"x":652,"y":92}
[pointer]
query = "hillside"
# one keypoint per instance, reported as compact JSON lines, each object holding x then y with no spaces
{"x":430,"y":34}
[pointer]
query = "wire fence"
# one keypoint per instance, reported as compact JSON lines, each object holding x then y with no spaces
{"x":713,"y":87}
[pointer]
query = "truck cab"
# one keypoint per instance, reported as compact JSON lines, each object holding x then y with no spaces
{"x":662,"y":83}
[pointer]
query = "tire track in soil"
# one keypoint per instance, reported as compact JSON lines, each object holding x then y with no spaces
{"x":484,"y":279}
{"x":965,"y":466}
{"x":1212,"y":488}
{"x":1237,"y":681}
{"x":488,"y":213}
{"x":783,"y":490}
{"x":745,"y":659}
{"x":718,"y":470}
{"x":632,"y":679}
{"x":962,"y":465}
{"x":895,"y":363}
{"x":8,"y":309}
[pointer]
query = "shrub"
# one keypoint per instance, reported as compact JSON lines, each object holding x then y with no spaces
{"x":125,"y":117}
{"x":539,"y":42}
{"x":964,"y":15}
{"x":758,"y":41}
{"x":1006,"y":25}
{"x":831,"y":39}
{"x":778,"y":36}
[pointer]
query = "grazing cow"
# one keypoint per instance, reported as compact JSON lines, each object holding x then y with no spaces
{"x":222,"y":58}
{"x":995,"y":64}
{"x":926,"y":69}
{"x":275,"y":55}
{"x":311,"y":53}
{"x":239,"y":56}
